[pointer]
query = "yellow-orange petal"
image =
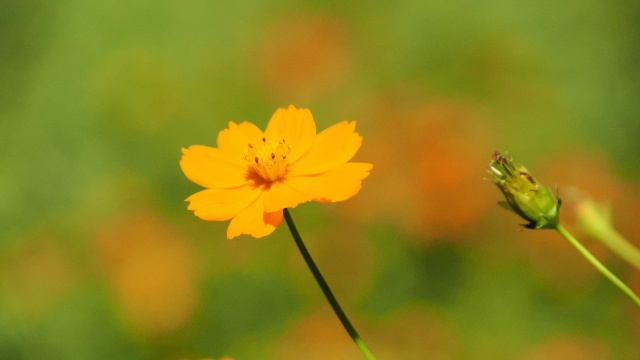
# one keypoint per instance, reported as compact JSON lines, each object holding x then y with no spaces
{"x":235,"y":139}
{"x":222,"y":204}
{"x":337,"y":184}
{"x":296,"y":126}
{"x":332,"y":147}
{"x":281,"y":195}
{"x":254,"y":221}
{"x":211,"y":168}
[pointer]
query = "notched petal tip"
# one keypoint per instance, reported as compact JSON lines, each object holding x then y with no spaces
{"x":334,"y":146}
{"x":235,"y":139}
{"x":221,"y":204}
{"x":254,"y":221}
{"x":364,"y":168}
{"x":257,"y":231}
{"x":280,"y":195}
{"x":296,"y":126}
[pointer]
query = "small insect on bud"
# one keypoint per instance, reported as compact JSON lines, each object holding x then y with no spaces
{"x":525,"y":196}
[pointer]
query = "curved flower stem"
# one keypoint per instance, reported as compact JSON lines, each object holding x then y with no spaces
{"x":325,"y":288}
{"x":598,"y":265}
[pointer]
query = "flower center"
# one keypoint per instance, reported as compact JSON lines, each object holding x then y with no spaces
{"x":268,"y":158}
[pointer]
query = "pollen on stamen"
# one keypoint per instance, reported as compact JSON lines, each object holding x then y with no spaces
{"x":268,"y":158}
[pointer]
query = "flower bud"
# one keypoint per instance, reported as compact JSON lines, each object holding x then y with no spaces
{"x":525,"y":196}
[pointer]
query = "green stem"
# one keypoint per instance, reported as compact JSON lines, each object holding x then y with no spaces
{"x":618,"y":244}
{"x":325,"y":288}
{"x":594,"y":222}
{"x":598,"y":265}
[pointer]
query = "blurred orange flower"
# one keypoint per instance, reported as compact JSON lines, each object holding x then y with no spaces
{"x":310,"y":61}
{"x":252,"y":175}
{"x":151,"y":270}
{"x":432,"y":177}
{"x":568,"y":346}
{"x":316,"y":336}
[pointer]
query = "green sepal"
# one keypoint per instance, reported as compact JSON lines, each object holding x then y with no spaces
{"x":506,"y":205}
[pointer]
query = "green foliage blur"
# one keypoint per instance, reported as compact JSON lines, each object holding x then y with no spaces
{"x":100,"y":258}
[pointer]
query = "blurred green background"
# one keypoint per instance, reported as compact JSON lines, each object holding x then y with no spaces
{"x":100,"y":259}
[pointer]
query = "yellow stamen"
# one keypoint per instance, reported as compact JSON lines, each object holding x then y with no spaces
{"x":268,"y":158}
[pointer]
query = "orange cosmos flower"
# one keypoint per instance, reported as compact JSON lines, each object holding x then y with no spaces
{"x":252,"y":175}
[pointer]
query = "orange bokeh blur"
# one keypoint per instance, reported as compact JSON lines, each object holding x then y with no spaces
{"x":151,"y":270}
{"x":563,"y":347}
{"x":318,"y":336}
{"x":430,"y":161}
{"x":303,"y":55}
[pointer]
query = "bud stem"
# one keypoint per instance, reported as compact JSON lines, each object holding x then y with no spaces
{"x":598,"y":265}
